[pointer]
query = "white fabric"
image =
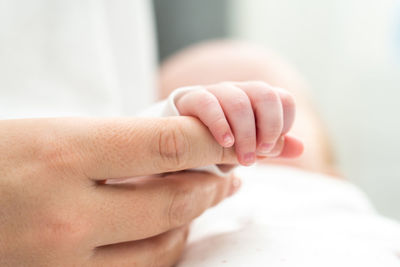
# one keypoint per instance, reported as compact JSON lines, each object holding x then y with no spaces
{"x":75,"y":57}
{"x":167,"y":107}
{"x":287,"y":217}
{"x":88,"y":57}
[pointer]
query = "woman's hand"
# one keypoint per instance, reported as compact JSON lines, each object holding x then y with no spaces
{"x":56,"y":210}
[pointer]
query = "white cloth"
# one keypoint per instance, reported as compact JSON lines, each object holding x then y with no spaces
{"x":287,"y":217}
{"x":75,"y":57}
{"x":88,"y":57}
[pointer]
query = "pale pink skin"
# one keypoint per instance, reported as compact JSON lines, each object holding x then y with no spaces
{"x":252,"y":115}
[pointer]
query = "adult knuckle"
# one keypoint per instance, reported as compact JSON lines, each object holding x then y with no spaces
{"x":181,"y":207}
{"x":161,"y":252}
{"x":56,"y":154}
{"x":64,"y":230}
{"x":167,"y":245}
{"x":173,"y":147}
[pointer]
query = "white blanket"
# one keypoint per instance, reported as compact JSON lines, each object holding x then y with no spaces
{"x":287,"y":217}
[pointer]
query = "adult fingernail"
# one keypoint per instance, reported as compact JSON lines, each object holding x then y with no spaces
{"x":228,"y":140}
{"x":249,"y":158}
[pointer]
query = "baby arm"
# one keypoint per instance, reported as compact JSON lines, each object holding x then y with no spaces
{"x":253,"y":116}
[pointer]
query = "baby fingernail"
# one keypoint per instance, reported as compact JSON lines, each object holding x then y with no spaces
{"x":264,"y":148}
{"x":277,"y":149}
{"x":249,"y":158}
{"x":228,"y":140}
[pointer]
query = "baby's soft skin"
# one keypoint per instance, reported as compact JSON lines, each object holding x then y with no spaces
{"x":253,"y":116}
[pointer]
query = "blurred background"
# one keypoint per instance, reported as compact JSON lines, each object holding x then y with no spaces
{"x":349,"y":52}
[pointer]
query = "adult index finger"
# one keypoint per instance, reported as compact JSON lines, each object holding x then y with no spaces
{"x":126,"y":147}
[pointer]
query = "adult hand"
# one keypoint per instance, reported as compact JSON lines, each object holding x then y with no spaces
{"x":56,"y":210}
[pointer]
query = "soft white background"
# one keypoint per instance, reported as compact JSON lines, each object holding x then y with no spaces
{"x":347,"y":51}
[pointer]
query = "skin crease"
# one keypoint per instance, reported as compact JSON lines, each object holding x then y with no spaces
{"x":253,"y":116}
{"x":56,"y":212}
{"x":216,"y":61}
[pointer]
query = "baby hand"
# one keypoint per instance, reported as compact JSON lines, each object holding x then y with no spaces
{"x":252,"y":115}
